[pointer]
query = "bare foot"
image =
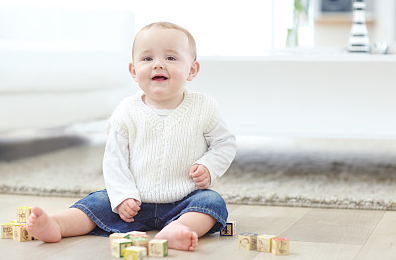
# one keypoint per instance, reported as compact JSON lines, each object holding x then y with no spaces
{"x":42,"y":226}
{"x":179,"y":236}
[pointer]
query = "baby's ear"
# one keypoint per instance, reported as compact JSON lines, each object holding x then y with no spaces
{"x":132,"y":70}
{"x":193,"y":70}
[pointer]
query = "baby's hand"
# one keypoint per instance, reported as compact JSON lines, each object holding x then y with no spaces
{"x":128,"y":209}
{"x":200,"y":175}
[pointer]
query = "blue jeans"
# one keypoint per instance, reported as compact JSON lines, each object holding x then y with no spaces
{"x":151,"y":216}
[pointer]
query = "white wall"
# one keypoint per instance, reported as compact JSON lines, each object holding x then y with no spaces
{"x":325,"y":96}
{"x":385,"y":22}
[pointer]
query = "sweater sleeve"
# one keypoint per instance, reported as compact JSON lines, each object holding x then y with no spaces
{"x":117,"y":119}
{"x":221,"y":150}
{"x":213,"y":110}
{"x":119,"y":181}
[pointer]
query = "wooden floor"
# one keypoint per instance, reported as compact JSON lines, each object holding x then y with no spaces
{"x":317,"y":234}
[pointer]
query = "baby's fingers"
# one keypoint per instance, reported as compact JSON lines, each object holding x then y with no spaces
{"x":193,"y":169}
{"x":130,"y":212}
{"x":199,"y":178}
{"x":133,"y":206}
{"x":126,"y":217}
{"x":127,"y":212}
{"x":204,"y":184}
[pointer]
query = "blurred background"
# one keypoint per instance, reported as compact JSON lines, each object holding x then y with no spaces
{"x":64,"y":64}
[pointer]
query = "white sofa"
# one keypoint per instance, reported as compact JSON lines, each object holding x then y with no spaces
{"x":62,"y":66}
{"x":320,"y":93}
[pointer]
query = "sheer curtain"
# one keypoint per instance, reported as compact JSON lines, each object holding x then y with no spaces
{"x":221,"y":27}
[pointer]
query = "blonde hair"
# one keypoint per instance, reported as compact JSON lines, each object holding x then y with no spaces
{"x":168,"y":25}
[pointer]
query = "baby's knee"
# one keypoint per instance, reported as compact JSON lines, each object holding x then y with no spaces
{"x":210,"y":198}
{"x":98,"y":200}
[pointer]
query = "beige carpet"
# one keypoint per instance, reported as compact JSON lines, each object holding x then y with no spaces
{"x":338,"y":173}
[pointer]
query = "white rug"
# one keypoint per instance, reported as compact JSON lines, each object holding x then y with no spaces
{"x":356,"y":174}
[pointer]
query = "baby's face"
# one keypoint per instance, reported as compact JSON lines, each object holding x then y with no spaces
{"x":162,"y":64}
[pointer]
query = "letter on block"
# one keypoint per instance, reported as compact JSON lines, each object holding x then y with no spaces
{"x":118,"y":246}
{"x":229,"y":229}
{"x":23,"y":214}
{"x":7,"y":230}
{"x":140,"y":241}
{"x":158,"y":248}
{"x":280,"y":246}
{"x":21,"y":234}
{"x":115,"y":236}
{"x":264,"y":243}
{"x":135,"y":253}
{"x":247,"y":241}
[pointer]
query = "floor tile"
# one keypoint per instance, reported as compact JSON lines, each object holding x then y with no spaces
{"x":335,"y":226}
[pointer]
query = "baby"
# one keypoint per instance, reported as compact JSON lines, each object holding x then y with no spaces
{"x":166,"y":147}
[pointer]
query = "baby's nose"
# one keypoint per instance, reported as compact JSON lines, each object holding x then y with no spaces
{"x":158,"y":65}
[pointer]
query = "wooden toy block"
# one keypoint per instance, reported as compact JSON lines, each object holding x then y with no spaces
{"x":115,"y":236}
{"x":7,"y":230}
{"x":280,"y":246}
{"x":118,"y":246}
{"x":21,"y":234}
{"x":23,"y":214}
{"x":135,"y":253}
{"x":140,"y":241}
{"x":247,"y":241}
{"x":158,"y":248}
{"x":15,"y":231}
{"x":229,"y":229}
{"x":264,"y":243}
{"x":136,"y":233}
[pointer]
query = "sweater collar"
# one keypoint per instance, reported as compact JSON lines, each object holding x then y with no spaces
{"x":173,"y":117}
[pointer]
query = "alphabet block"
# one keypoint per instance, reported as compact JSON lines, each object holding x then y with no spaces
{"x":158,"y":248}
{"x":133,"y":234}
{"x":21,"y":234}
{"x":115,"y":236}
{"x":247,"y":241}
{"x":7,"y":230}
{"x":229,"y":229}
{"x":136,"y":234}
{"x":23,"y":214}
{"x":264,"y":243}
{"x":140,"y":241}
{"x":118,"y":246}
{"x":280,"y":246}
{"x":135,"y":253}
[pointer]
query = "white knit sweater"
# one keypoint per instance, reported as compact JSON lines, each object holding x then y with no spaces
{"x":162,"y":149}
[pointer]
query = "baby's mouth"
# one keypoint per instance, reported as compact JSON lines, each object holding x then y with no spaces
{"x":159,"y":78}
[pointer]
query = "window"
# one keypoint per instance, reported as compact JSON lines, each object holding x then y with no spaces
{"x":220,"y":27}
{"x":226,"y":27}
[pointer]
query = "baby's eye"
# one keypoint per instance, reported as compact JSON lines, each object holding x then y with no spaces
{"x":147,"y":59}
{"x":170,"y":58}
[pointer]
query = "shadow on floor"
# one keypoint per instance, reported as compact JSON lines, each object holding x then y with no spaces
{"x":13,"y":149}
